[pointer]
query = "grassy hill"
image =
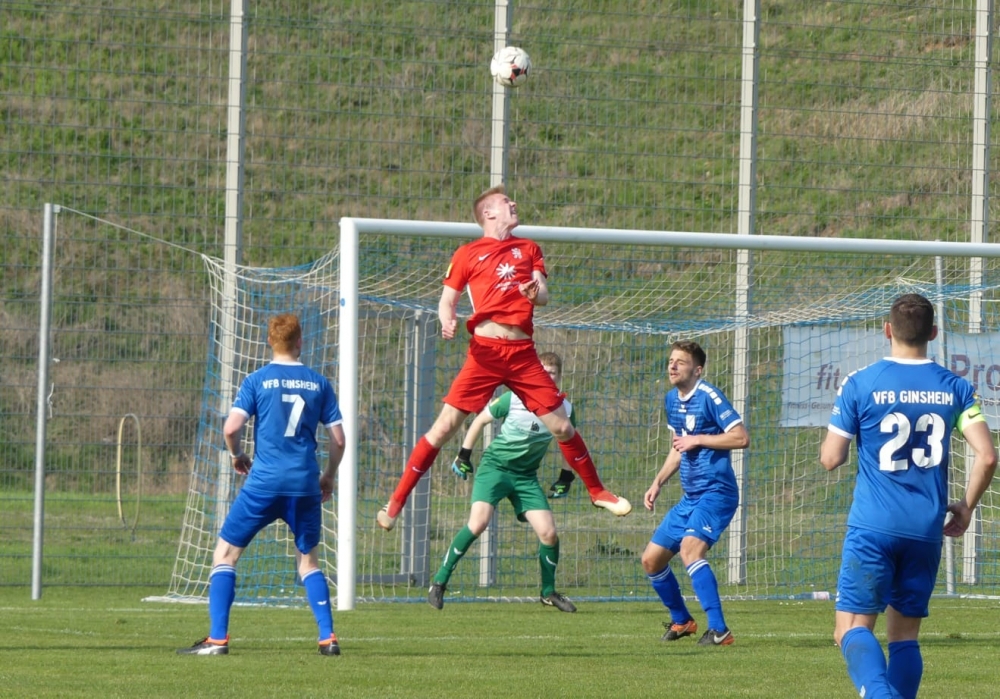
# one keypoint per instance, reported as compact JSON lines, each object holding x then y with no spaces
{"x":631,"y":120}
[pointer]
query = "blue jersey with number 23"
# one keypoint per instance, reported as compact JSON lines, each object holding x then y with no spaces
{"x":902,"y":413}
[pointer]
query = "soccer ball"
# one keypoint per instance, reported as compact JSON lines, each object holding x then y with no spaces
{"x":510,"y":66}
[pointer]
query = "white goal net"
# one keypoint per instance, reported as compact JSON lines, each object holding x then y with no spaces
{"x":781,"y":322}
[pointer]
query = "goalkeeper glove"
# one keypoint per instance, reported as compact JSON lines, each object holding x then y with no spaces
{"x":560,"y":488}
{"x":462,"y":465}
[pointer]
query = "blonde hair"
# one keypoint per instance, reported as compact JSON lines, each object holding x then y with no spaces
{"x":480,"y":204}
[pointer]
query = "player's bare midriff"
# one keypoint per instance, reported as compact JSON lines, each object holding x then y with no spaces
{"x":500,"y":331}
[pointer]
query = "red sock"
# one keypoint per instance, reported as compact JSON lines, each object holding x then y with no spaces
{"x":420,"y":461}
{"x":576,"y":455}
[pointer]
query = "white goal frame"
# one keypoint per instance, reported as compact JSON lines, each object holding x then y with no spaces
{"x":352,"y":228}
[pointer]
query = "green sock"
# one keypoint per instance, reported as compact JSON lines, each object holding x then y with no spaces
{"x":459,"y":545}
{"x":548,"y":559}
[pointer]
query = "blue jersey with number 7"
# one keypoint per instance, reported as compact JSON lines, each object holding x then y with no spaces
{"x":902,"y":413}
{"x":289,"y":400}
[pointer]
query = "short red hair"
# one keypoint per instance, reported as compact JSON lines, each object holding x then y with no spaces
{"x":284,"y":333}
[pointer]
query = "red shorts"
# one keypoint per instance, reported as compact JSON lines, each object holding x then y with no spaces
{"x":513,"y":363}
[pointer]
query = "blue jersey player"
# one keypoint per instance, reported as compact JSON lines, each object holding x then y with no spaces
{"x":705,"y":429}
{"x":289,"y":401}
{"x":902,"y":411}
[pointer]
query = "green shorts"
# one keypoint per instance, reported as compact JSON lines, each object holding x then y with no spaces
{"x":522,"y":489}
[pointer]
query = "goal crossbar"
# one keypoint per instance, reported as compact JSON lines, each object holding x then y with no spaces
{"x":348,"y":386}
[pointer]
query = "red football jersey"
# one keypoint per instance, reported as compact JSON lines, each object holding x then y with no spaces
{"x":492,"y":270}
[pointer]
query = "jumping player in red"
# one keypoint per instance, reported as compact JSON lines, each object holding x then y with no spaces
{"x":505,"y":276}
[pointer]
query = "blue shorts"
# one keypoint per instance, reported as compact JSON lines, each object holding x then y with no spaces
{"x":704,"y":518}
{"x":878,"y":569}
{"x":253,"y":510}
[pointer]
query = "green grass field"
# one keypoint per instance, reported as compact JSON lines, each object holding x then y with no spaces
{"x":109,"y":643}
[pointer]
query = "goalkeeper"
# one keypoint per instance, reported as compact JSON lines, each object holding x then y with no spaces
{"x":509,"y":469}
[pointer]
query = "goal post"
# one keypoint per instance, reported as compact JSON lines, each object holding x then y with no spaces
{"x":785,"y":318}
{"x":613,"y":325}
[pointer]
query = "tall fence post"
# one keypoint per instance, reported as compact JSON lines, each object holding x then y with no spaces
{"x":44,"y":328}
{"x":979,"y":227}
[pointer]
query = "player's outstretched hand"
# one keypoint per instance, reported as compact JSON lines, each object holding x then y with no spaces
{"x":462,"y":467}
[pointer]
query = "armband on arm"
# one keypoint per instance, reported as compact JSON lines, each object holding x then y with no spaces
{"x":970,"y":417}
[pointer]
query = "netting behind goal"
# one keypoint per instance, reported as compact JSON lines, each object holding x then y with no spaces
{"x":243,"y":300}
{"x":809,"y":318}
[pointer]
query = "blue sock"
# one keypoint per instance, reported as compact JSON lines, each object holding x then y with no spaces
{"x":318,"y":594}
{"x":221,"y":593}
{"x":866,"y":664}
{"x":906,"y":666}
{"x":669,"y":591}
{"x":707,"y":590}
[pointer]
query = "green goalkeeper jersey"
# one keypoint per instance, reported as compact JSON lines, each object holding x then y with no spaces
{"x":523,"y":439}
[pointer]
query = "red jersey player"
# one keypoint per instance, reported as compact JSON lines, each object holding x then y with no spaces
{"x":505,"y":276}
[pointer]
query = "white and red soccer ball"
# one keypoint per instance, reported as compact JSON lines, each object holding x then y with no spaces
{"x":510,"y":66}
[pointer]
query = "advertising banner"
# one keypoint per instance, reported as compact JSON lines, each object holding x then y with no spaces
{"x":817,"y":358}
